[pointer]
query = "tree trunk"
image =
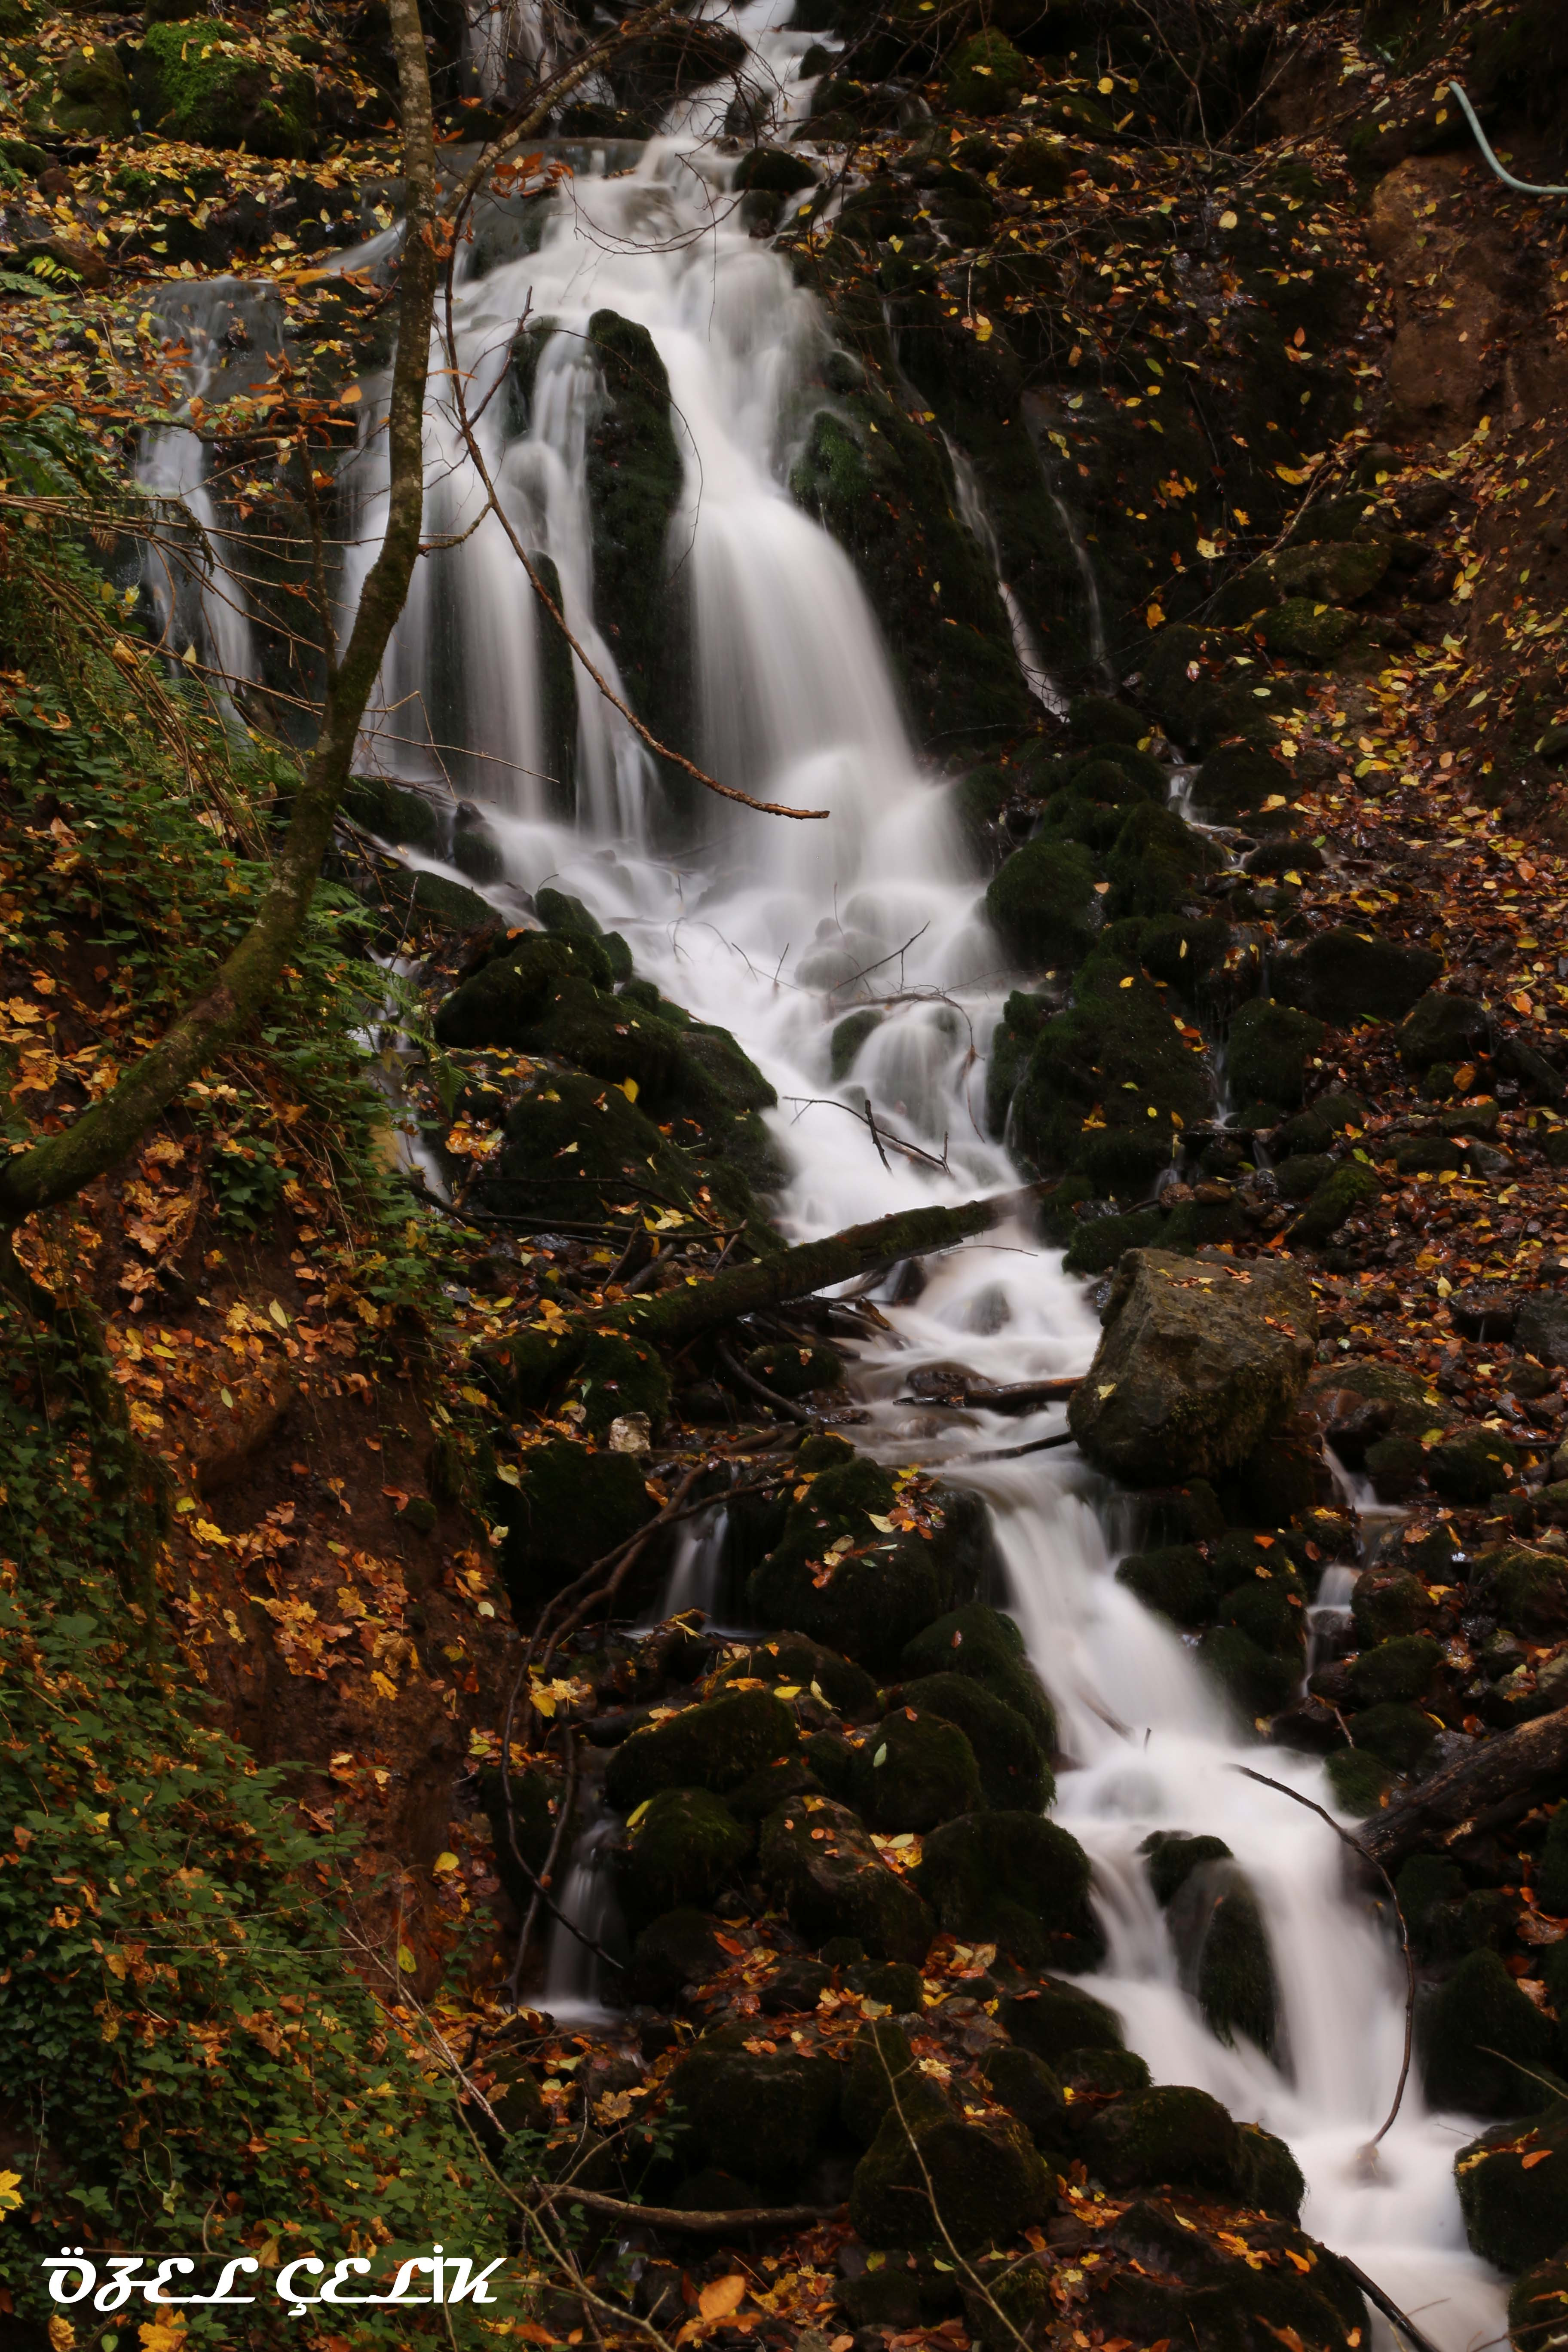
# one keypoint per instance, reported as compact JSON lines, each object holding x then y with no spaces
{"x":103,"y":1135}
{"x":1497,"y":1785}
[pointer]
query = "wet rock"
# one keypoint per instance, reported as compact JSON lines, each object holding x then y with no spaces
{"x":559,"y":912}
{"x":1541,"y":1328}
{"x":1197,"y":1361}
{"x":1525,"y":1589}
{"x":92,"y":95}
{"x":764,"y":2111}
{"x":1154,"y":864}
{"x":570,"y":1507}
{"x":1350,"y":1186}
{"x":680,"y":1851}
{"x":1172,"y":2135}
{"x":1060,"y":2021}
{"x":880,"y":2062}
{"x":1015,"y":1880}
{"x":1237,"y":1989}
{"x":715,"y":1746}
{"x":1014,"y":1773}
{"x":1359,"y":1780}
{"x":790,"y":1658}
{"x":835,"y":1883}
{"x":395,"y":812}
{"x":981,"y":1643}
{"x":1472,"y":1465}
{"x":793,"y":1370}
{"x":1042,"y":904}
{"x":1259,"y":1682}
{"x":1442,"y":1028}
{"x":1342,"y":977}
{"x":1538,"y":2308}
{"x":1175,"y":1582}
{"x":1516,"y":2210}
{"x":1172,"y":1858}
{"x":208,"y":83}
{"x":1483,"y":2043}
{"x":775,"y":171}
{"x":1402,"y":1668}
{"x":913,"y":1771}
{"x":986,"y":2179}
{"x":454,"y":907}
{"x":1269,"y":2177}
{"x":1270,"y":1053}
{"x":1306,"y":632}
{"x":985,"y":74}
{"x":529,"y":1829}
{"x":848,"y":1036}
{"x":680,"y":1949}
{"x":1028,"y":2089}
{"x":1398,"y":1735}
{"x":635,"y":477}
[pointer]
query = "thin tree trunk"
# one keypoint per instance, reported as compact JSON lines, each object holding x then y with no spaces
{"x":103,"y":1135}
{"x":1500,"y":1782}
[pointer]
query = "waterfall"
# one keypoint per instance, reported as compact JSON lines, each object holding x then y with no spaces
{"x":774,"y":929}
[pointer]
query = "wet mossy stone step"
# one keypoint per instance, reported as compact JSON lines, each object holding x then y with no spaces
{"x":1015,"y":1880}
{"x":816,"y":1857}
{"x":792,"y":1660}
{"x":571,"y":1505}
{"x":986,"y":1646}
{"x":984,"y":2178}
{"x":1485,"y":2048}
{"x":1014,"y":1772}
{"x":912,"y":1771}
{"x":1524,"y":1588}
{"x":717,"y":1745}
{"x":1042,"y":904}
{"x":635,"y":479}
{"x":681,"y":1849}
{"x":761,"y":2114}
{"x":1269,"y":1053}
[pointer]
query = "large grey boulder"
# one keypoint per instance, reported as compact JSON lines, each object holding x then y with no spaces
{"x":1200,"y":1360}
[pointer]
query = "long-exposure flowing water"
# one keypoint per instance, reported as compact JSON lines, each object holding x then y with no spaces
{"x":774,"y":929}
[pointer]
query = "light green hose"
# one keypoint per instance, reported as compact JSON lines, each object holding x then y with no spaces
{"x":1524,"y":186}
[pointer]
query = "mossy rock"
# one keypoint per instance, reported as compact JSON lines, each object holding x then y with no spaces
{"x":1402,"y":1668}
{"x":1270,"y":1053}
{"x":1098,"y":1242}
{"x":760,"y":2112}
{"x":987,"y":2180}
{"x":680,"y":1852}
{"x":1171,"y":2135}
{"x":1237,"y":1989}
{"x":395,"y":812}
{"x":794,"y":1371}
{"x":1484,"y":2043}
{"x":1029,"y":2090}
{"x":880,"y":2061}
{"x":571,"y":1505}
{"x":837,"y":1885}
{"x":791,"y":1659}
{"x":1042,"y":167}
{"x":1309,"y":632}
{"x":1155,"y":863}
{"x":1171,"y":1857}
{"x":985,"y":74}
{"x":1526,"y":1590}
{"x":1299,"y":1175}
{"x":92,"y":93}
{"x":775,"y":171}
{"x":1057,"y":2020}
{"x":1386,"y":1604}
{"x":1398,"y":1735}
{"x":1537,"y":2306}
{"x":635,"y":479}
{"x":886,"y":1587}
{"x":1359,"y":1780}
{"x":1093,"y":717}
{"x":913,"y":1772}
{"x":717,"y":1745}
{"x":1042,"y":904}
{"x":981,"y":1643}
{"x":451,"y":905}
{"x":1425,"y":1155}
{"x":532,"y":1826}
{"x":1343,"y":978}
{"x":1269,"y":2177}
{"x":1235,"y":779}
{"x":205,"y":82}
{"x":1271,"y":1611}
{"x":1015,"y":1880}
{"x":1259,"y":1683}
{"x":619,"y":1152}
{"x":1014,"y":1773}
{"x":1332,"y":571}
{"x":850,"y":1035}
{"x":613,"y":1377}
{"x":681,"y":1948}
{"x":558,"y":911}
{"x":1339,"y":1196}
{"x":1443,"y":1028}
{"x":1175,"y":1582}
{"x":1430,"y":1889}
{"x":1472,"y":1467}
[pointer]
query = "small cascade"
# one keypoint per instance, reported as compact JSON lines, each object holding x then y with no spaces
{"x":580,"y":1988}
{"x":1330,"y":1615}
{"x":1099,"y":646}
{"x":977,"y":521}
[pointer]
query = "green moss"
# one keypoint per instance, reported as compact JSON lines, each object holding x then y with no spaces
{"x":1027,"y":2087}
{"x":794,"y":1371}
{"x":1171,"y":2136}
{"x":206,"y":83}
{"x":1014,"y":1773}
{"x":1156,"y":861}
{"x":913,"y":1771}
{"x":1268,"y":2177}
{"x":1172,"y":1855}
{"x":1105,"y":1085}
{"x":1042,"y":904}
{"x":681,"y":1851}
{"x":1443,"y":1028}
{"x":1350,"y":1188}
{"x":880,"y":2061}
{"x":1270,"y":1053}
{"x":887,"y":1587}
{"x":848,"y":1036}
{"x":1359,"y":1780}
{"x":1342,"y":977}
{"x":635,"y":481}
{"x":836,"y":1885}
{"x":981,"y":1643}
{"x":1175,"y":1582}
{"x":1398,"y":1735}
{"x":1552,"y":1869}
{"x":986,"y":2179}
{"x":1271,"y":1611}
{"x":1470,"y":1468}
{"x":1055,"y":2020}
{"x":1402,"y":1668}
{"x":715,"y":1746}
{"x":985,"y":75}
{"x":1483,"y":2043}
{"x":791,"y":1658}
{"x":570,"y":1507}
{"x":1308,"y":632}
{"x":1237,"y":1989}
{"x":757,"y":2113}
{"x":395,"y":812}
{"x":92,"y":95}
{"x":1259,"y":1683}
{"x":613,"y":1377}
{"x":1015,"y":1880}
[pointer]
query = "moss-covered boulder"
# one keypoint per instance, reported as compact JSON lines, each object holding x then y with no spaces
{"x":1258,"y":1680}
{"x":1269,"y":2176}
{"x":717,"y":1745}
{"x":1171,"y":2135}
{"x":984,"y":1647}
{"x":1237,"y":1989}
{"x":1154,"y":864}
{"x":569,"y":1507}
{"x":1029,"y":2090}
{"x":635,"y":477}
{"x":1015,"y":1880}
{"x":1343,"y":978}
{"x":1483,"y":2042}
{"x":1525,"y":1589}
{"x":794,"y":1662}
{"x":681,"y":1848}
{"x":1359,"y":1780}
{"x":1387,"y":1602}
{"x":1270,"y":1049}
{"x":1059,"y":2022}
{"x":1175,"y":1582}
{"x":1443,"y":1028}
{"x":92,"y":93}
{"x":1399,"y":1736}
{"x":759,"y":2114}
{"x":682,"y":1949}
{"x":985,"y":74}
{"x":1308,"y":632}
{"x":1399,"y":1669}
{"x":986,"y":2179}
{"x":861,"y":1588}
{"x":793,"y":1369}
{"x":1197,"y":1362}
{"x":1172,"y":1857}
{"x":1513,"y":2189}
{"x":1014,"y":1773}
{"x":1472,"y":1465}
{"x":1042,"y":904}
{"x":880,"y":2066}
{"x":913,"y":1771}
{"x":1350,"y":1186}
{"x":816,"y":1857}
{"x":214,"y":85}
{"x":1537,"y":2306}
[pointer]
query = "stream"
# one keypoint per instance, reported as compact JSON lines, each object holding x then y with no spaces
{"x":775,"y":930}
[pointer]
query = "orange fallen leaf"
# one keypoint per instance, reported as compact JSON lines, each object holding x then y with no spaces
{"x":1537,"y":2156}
{"x":720,"y":2296}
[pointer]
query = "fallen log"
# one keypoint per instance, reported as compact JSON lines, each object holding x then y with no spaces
{"x":675,"y":1318}
{"x":1022,"y":1396}
{"x":1478,"y":1792}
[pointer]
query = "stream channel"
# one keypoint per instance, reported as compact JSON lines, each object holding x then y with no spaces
{"x":776,"y":930}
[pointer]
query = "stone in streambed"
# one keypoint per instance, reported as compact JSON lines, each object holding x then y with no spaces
{"x":816,"y":1857}
{"x":715,"y":1745}
{"x":1176,"y":1581}
{"x":680,"y":1850}
{"x":570,"y":1507}
{"x":986,"y":2177}
{"x":1270,"y":1053}
{"x":1029,"y":2090}
{"x":1484,"y":2045}
{"x":1402,"y":1668}
{"x":880,"y":2063}
{"x":1014,"y":1773}
{"x":1042,"y":904}
{"x":1538,"y":2308}
{"x":762,"y":2114}
{"x":1198,"y":1362}
{"x":1525,"y":1589}
{"x":1015,"y":1880}
{"x":1513,"y":2191}
{"x":1169,"y":2134}
{"x":1343,"y":978}
{"x":986,"y":1647}
{"x":1060,"y":2021}
{"x":680,"y":1949}
{"x":912,"y":1773}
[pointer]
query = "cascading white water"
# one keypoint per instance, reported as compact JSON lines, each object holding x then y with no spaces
{"x":776,"y":930}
